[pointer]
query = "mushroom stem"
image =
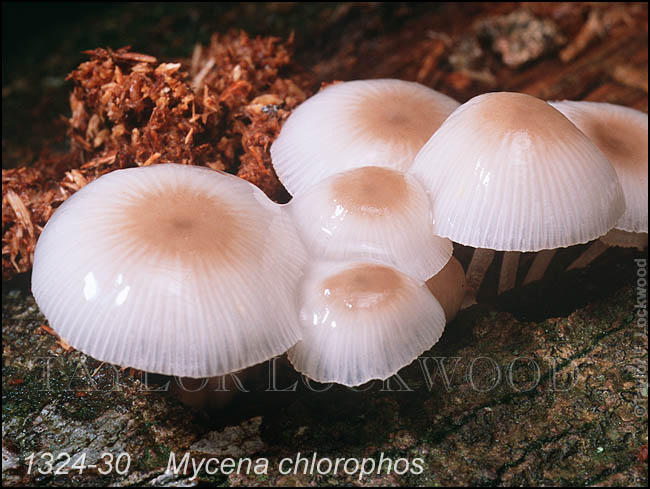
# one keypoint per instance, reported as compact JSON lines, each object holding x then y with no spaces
{"x":481,"y":261}
{"x":595,"y":249}
{"x":626,"y":239}
{"x":210,"y":392}
{"x":508,"y":275}
{"x":540,"y":263}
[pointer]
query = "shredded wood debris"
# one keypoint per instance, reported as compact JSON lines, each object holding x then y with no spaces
{"x":601,"y":20}
{"x":631,"y":76}
{"x":60,"y":342}
{"x":221,"y":109}
{"x":28,"y":200}
{"x":520,"y":37}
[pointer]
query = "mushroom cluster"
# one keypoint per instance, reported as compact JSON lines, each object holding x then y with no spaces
{"x":186,"y":271}
{"x":529,"y":181}
{"x":621,"y":134}
{"x":503,"y":172}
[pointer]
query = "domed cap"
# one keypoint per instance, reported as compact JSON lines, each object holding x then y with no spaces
{"x":363,"y":321}
{"x":171,"y":269}
{"x":507,"y":171}
{"x":621,"y":134}
{"x":371,"y":212}
{"x":358,"y":123}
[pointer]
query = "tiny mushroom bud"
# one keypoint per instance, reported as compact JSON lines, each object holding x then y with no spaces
{"x":621,"y":133}
{"x":371,"y":212}
{"x":448,"y":286}
{"x":363,"y":321}
{"x":358,"y":123}
{"x":529,"y":180}
{"x":171,"y":269}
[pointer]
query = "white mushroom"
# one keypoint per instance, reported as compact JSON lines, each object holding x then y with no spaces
{"x":171,"y":269}
{"x":371,"y":212}
{"x":363,"y":321}
{"x":508,"y":172}
{"x":358,"y":123}
{"x":621,"y":133}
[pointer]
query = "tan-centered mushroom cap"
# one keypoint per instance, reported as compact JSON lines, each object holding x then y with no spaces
{"x":371,"y":212}
{"x":621,"y":134}
{"x":171,"y":269}
{"x":358,"y":123}
{"x":363,"y":321}
{"x":507,"y":171}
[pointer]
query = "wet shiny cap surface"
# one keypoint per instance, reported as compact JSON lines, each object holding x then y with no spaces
{"x":507,"y":171}
{"x":354,"y":124}
{"x":171,"y":269}
{"x":363,"y":321}
{"x":371,"y":212}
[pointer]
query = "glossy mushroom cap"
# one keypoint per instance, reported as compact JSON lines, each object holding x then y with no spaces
{"x":358,"y":123}
{"x":507,"y":171}
{"x":171,"y":269}
{"x":363,"y":321}
{"x":621,"y":134}
{"x":371,"y":212}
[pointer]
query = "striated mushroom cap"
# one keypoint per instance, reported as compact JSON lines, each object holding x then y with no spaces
{"x":363,"y":321}
{"x":621,"y":134}
{"x":358,"y":123}
{"x":506,"y":171}
{"x":371,"y":212}
{"x":171,"y":269}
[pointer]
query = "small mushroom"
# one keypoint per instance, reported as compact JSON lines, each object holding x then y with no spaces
{"x":621,"y":133}
{"x":363,"y":321}
{"x":171,"y":269}
{"x":508,"y":172}
{"x":371,"y":212}
{"x":358,"y":123}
